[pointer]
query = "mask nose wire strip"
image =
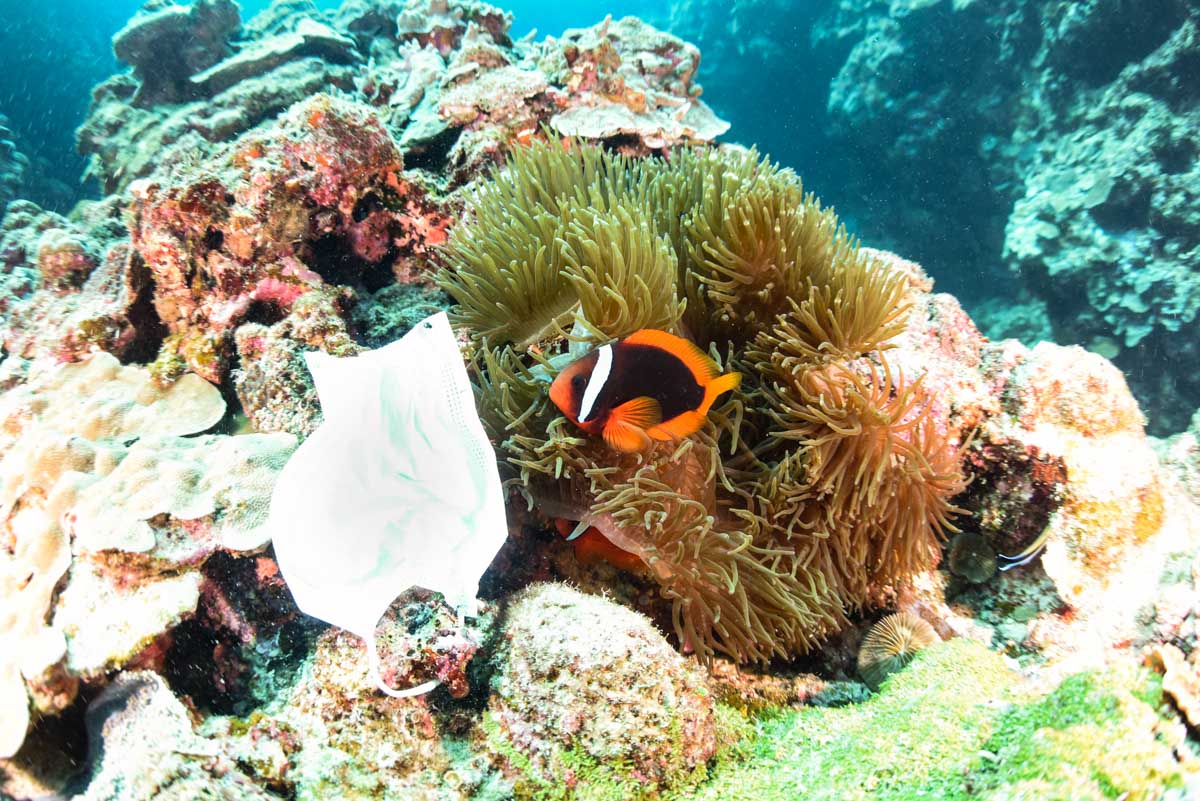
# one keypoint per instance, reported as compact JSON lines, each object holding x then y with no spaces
{"x":377,"y":678}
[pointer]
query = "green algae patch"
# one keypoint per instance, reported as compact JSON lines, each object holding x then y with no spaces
{"x":957,"y":725}
{"x":913,"y":740}
{"x":569,"y":775}
{"x":1097,"y":736}
{"x":578,"y":776}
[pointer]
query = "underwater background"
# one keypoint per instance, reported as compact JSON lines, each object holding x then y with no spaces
{"x":937,"y":536}
{"x":933,"y":132}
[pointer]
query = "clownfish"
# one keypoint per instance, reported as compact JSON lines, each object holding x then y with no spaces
{"x":651,"y":385}
{"x":591,"y":547}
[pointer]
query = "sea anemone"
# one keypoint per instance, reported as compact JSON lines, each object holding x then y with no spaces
{"x":891,"y":644}
{"x":823,"y":477}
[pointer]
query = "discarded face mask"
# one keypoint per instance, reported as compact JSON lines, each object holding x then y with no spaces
{"x":397,"y":488}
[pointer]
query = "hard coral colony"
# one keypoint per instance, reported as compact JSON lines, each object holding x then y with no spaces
{"x":823,"y":477}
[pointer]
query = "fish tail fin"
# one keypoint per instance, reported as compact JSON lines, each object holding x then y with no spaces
{"x":717,"y":387}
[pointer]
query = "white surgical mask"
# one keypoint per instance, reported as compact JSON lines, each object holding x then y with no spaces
{"x":397,"y":488}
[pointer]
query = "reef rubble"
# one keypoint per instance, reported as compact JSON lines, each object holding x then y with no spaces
{"x":310,"y":180}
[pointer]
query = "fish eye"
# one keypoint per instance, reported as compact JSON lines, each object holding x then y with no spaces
{"x":578,"y":382}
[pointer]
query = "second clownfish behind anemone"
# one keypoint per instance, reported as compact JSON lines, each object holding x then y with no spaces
{"x":649,"y":386}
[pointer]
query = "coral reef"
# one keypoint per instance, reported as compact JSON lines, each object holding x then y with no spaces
{"x":838,"y":476}
{"x":445,"y":77}
{"x":322,"y":180}
{"x":103,"y":492}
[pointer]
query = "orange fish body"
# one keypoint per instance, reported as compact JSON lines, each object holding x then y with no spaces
{"x":649,"y":386}
{"x":591,"y":547}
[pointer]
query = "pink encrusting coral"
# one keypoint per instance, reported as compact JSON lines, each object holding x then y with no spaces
{"x":73,"y":285}
{"x":318,"y":198}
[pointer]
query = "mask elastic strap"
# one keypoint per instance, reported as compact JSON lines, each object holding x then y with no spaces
{"x":377,"y":677}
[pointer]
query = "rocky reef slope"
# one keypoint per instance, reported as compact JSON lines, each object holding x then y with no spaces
{"x":1037,"y":144}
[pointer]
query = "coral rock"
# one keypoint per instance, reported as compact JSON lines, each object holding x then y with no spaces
{"x":338,"y":737}
{"x":1076,"y":405}
{"x":107,"y":624}
{"x":1181,"y":680}
{"x":272,"y":380}
{"x":585,"y":682}
{"x":144,"y":747}
{"x":13,"y":165}
{"x":309,"y":38}
{"x":167,"y":44}
{"x":633,"y":81}
{"x":73,"y":285}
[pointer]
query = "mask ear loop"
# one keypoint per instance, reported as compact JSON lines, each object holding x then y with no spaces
{"x":411,"y":692}
{"x":373,"y":668}
{"x":377,"y":678}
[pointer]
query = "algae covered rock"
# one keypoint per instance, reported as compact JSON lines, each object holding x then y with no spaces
{"x":959,"y":723}
{"x":588,"y":695}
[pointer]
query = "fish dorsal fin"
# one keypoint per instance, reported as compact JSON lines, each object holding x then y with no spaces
{"x":703,"y":368}
{"x":642,"y":412}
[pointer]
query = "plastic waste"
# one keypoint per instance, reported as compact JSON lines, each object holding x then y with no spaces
{"x":397,"y":488}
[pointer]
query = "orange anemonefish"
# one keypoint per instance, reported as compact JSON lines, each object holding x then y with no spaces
{"x":591,"y":547}
{"x":651,"y":385}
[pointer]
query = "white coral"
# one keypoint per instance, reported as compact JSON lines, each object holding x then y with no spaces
{"x":90,"y":454}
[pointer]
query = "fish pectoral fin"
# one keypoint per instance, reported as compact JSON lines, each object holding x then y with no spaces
{"x":703,"y":368}
{"x":677,"y":427}
{"x":626,"y":437}
{"x":642,"y":412}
